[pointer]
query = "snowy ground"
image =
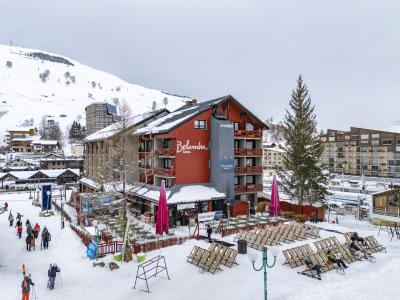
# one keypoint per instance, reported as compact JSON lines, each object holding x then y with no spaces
{"x":362,"y":281}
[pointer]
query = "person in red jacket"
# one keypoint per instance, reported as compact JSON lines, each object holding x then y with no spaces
{"x":5,"y":206}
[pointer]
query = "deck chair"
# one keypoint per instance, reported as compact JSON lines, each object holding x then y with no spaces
{"x":324,"y":261}
{"x":205,"y":258}
{"x":257,"y":241}
{"x":303,"y":233}
{"x":374,"y":243}
{"x":252,"y":239}
{"x":229,"y":258}
{"x":240,"y":235}
{"x":296,"y":256}
{"x":291,"y":261}
{"x":212,"y":247}
{"x":275,"y":237}
{"x":195,"y":255}
{"x":318,"y":246}
{"x":213,"y":264}
{"x":262,"y":243}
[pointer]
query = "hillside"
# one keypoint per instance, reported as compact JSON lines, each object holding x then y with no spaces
{"x":34,"y":83}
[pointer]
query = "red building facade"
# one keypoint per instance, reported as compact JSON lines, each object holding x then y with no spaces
{"x":177,"y":147}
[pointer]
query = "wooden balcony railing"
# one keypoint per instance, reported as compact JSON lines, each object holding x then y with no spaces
{"x":248,"y":151}
{"x":144,"y":154}
{"x":164,"y":172}
{"x":248,"y":170}
{"x":248,"y":188}
{"x":248,"y":134}
{"x":254,"y":169}
{"x":145,"y":171}
{"x":240,"y":170}
{"x":165,"y":151}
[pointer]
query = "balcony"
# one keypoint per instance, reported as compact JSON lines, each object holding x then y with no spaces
{"x":145,"y":171}
{"x":164,"y":172}
{"x":249,"y":188}
{"x":254,"y":170}
{"x":240,"y":170}
{"x":165,"y":151}
{"x":248,"y":134}
{"x":143,"y":154}
{"x":248,"y":152}
{"x":248,"y":170}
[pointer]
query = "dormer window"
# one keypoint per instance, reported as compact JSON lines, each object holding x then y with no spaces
{"x":200,"y":124}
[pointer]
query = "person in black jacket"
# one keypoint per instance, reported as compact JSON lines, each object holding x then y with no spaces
{"x":357,"y":238}
{"x":209,"y":232}
{"x":46,"y":237}
{"x":52,"y":273}
{"x":28,"y":242}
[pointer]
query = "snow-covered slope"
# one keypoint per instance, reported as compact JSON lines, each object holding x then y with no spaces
{"x":69,"y":88}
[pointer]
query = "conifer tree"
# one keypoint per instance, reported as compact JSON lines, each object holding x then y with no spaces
{"x":304,"y":179}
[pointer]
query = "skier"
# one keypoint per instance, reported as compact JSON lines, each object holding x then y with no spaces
{"x":46,"y":237}
{"x":52,"y":272}
{"x":19,"y":216}
{"x":5,"y":206}
{"x":310,"y":266}
{"x":334,"y":259}
{"x":29,"y":230}
{"x":357,"y":238}
{"x":11,"y":219}
{"x":19,"y":228}
{"x":27,"y":222}
{"x":209,"y":232}
{"x":28,"y":242}
{"x":356,"y":251}
{"x":26,"y":287}
{"x":36,"y":230}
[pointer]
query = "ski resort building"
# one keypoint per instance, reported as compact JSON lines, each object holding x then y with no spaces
{"x":19,"y":139}
{"x":362,"y":151}
{"x":100,"y":115}
{"x":216,"y":144}
{"x":105,"y":150}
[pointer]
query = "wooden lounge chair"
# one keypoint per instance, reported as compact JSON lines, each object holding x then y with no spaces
{"x":195,"y":255}
{"x":374,"y":243}
{"x":229,"y":257}
{"x":213,"y":263}
{"x":205,"y":257}
{"x":292,"y":261}
{"x":241,"y":234}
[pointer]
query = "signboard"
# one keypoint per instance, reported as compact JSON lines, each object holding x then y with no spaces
{"x":85,"y":207}
{"x":46,"y":197}
{"x":210,"y":216}
{"x":185,"y":206}
{"x":186,"y":147}
{"x":227,"y":165}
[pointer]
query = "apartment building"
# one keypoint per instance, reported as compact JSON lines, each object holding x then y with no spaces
{"x":103,"y":149}
{"x":19,"y":139}
{"x":272,"y":157}
{"x":100,"y":115}
{"x":361,"y":151}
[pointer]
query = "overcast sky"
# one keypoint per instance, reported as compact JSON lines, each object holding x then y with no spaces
{"x":348,"y":51}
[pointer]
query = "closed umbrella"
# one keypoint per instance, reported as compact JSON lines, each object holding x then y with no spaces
{"x":162,"y":212}
{"x":275,"y":205}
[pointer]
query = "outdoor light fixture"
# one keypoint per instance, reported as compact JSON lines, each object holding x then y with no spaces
{"x":253,"y":258}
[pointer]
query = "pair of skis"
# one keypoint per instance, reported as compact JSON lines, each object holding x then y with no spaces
{"x":309,"y":275}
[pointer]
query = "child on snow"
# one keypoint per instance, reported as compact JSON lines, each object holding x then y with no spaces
{"x":312,"y":267}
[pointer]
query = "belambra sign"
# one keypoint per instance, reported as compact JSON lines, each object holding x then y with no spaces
{"x":210,"y":216}
{"x":186,"y":147}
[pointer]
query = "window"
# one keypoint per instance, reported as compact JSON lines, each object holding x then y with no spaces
{"x":375,"y":142}
{"x":167,"y":163}
{"x":375,"y":135}
{"x":237,"y":162}
{"x":200,"y":124}
{"x":250,"y":162}
{"x":237,"y":180}
{"x":249,"y":127}
{"x":347,"y":138}
{"x":236,"y":126}
{"x":250,"y":144}
{"x":387,"y":142}
{"x":364,"y":136}
{"x":250,"y":179}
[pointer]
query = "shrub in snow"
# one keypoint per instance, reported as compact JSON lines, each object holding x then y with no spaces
{"x":93,"y":84}
{"x":44,"y":76}
{"x":9,"y":64}
{"x":73,"y":79}
{"x":67,"y":74}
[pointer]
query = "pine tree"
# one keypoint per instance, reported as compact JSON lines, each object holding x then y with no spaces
{"x":304,"y":179}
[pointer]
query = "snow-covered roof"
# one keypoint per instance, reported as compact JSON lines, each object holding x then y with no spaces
{"x":117,"y":127}
{"x":89,"y":182}
{"x":48,"y":173}
{"x":177,"y":117}
{"x":21,"y":128}
{"x":45,"y":142}
{"x":177,"y":194}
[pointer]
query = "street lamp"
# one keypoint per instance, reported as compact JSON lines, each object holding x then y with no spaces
{"x":30,"y":188}
{"x":253,"y":257}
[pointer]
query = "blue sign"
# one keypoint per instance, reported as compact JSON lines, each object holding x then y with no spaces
{"x":46,"y":197}
{"x":219,"y":214}
{"x":85,"y":207}
{"x":227,"y":165}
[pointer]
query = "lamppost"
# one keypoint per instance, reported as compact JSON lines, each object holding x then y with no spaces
{"x":62,"y":201}
{"x":253,"y":257}
{"x":30,"y":188}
